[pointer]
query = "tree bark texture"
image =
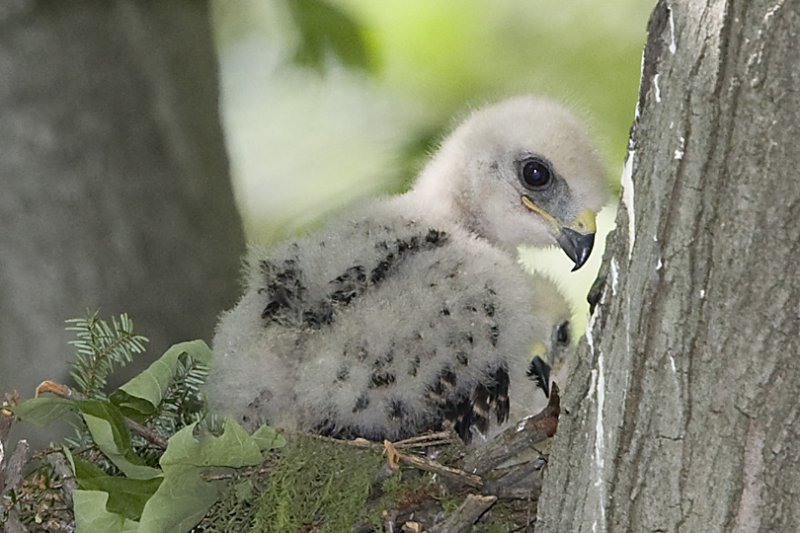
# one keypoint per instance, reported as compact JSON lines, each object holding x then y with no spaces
{"x":115,"y":186}
{"x":683,"y":409}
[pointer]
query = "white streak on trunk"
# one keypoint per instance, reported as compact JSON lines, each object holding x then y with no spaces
{"x":614,"y":276}
{"x":681,"y":149}
{"x":657,"y":89}
{"x":672,"y":45}
{"x":598,"y":386}
{"x":627,"y":198}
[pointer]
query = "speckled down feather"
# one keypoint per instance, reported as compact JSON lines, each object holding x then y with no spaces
{"x":412,"y":310}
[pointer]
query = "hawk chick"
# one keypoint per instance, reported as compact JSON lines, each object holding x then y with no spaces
{"x":412,"y":310}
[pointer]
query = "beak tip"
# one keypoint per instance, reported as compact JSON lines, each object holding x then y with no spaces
{"x":583,"y":256}
{"x":577,"y":246}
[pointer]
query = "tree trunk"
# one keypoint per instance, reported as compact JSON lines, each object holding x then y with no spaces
{"x":116,"y":193}
{"x":684,"y":407}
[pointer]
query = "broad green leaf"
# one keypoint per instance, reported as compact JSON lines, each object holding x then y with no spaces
{"x":115,"y":433}
{"x":235,"y":448}
{"x":268,"y":438}
{"x":325,"y":30}
{"x":85,"y":470}
{"x":112,"y":436}
{"x":184,"y":497}
{"x":127,"y":497}
{"x":142,"y":395}
{"x":180,"y":502}
{"x":42,"y":411}
{"x":91,"y":515}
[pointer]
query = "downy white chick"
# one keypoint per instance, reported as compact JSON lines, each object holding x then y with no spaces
{"x":412,"y":310}
{"x":547,"y":357}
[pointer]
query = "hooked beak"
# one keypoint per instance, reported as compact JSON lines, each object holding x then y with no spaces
{"x":577,"y":246}
{"x":576,"y":238}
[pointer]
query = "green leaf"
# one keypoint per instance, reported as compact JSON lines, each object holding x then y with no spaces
{"x":180,"y":502}
{"x":127,"y":497}
{"x":268,"y":438}
{"x":234,"y":448}
{"x":142,"y":395}
{"x":184,"y":497}
{"x":68,"y":454}
{"x":85,"y":470}
{"x":112,"y":436}
{"x":42,"y":411}
{"x":326,"y":30}
{"x":91,"y":514}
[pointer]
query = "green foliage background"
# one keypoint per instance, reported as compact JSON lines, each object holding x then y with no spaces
{"x":325,"y":102}
{"x":329,"y":101}
{"x":343,"y":98}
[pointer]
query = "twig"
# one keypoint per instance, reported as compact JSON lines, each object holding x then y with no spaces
{"x":518,"y":482}
{"x":420,"y":441}
{"x":11,"y":477}
{"x":68,"y":485}
{"x":146,"y":433}
{"x":233,"y":475}
{"x":64,"y":391}
{"x":454,"y":474}
{"x":358,"y":443}
{"x":429,"y":439}
{"x":6,"y":421}
{"x":421,"y":463}
{"x":5,"y":431}
{"x":429,"y":444}
{"x":466,"y":515}
{"x":16,"y":463}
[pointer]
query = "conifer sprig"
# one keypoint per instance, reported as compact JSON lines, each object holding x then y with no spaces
{"x":99,"y":348}
{"x":183,"y":402}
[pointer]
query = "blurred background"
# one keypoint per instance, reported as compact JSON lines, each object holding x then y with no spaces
{"x":326,"y":103}
{"x":143,"y":142}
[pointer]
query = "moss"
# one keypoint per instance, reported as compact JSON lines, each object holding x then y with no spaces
{"x":316,"y":485}
{"x":506,"y":516}
{"x":235,"y":510}
{"x":402,"y":483}
{"x":321,"y":486}
{"x":449,"y":503}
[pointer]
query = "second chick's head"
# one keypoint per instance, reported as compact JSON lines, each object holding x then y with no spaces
{"x":521,"y":171}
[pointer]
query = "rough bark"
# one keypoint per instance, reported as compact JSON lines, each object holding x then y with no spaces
{"x":684,"y":410}
{"x":116,"y":193}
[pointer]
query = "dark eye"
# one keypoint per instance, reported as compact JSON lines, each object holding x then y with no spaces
{"x":562,"y":333}
{"x":535,"y":174}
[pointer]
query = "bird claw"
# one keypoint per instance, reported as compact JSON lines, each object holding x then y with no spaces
{"x":539,"y":371}
{"x":596,"y":292}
